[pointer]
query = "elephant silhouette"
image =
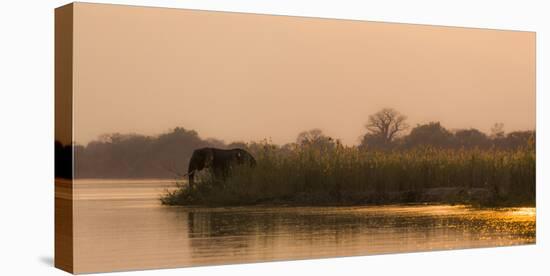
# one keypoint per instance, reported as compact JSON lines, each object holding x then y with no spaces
{"x":219,"y":161}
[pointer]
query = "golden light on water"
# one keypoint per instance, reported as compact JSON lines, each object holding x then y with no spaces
{"x":525,"y":211}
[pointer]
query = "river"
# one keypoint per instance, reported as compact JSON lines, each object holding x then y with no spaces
{"x":121,"y":225}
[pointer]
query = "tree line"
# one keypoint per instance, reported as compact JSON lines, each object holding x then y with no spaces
{"x":166,"y":155}
{"x":385,"y":129}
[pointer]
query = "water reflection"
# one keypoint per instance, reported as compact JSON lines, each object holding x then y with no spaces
{"x":123,"y":226}
{"x":320,"y":232}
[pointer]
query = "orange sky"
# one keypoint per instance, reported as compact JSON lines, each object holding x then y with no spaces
{"x":246,"y":77}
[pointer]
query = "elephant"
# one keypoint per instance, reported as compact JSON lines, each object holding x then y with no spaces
{"x":219,"y":161}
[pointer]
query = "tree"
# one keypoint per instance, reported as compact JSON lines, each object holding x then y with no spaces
{"x":315,"y":138}
{"x":216,"y":143}
{"x":237,"y":144}
{"x":385,"y":125}
{"x":497,"y":131}
{"x":138,"y":156}
{"x":429,"y":134}
{"x":309,"y":136}
{"x":375,"y":141}
{"x":471,"y":138}
{"x":517,"y":139}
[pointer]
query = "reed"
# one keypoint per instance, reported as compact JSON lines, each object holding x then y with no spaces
{"x":343,"y":175}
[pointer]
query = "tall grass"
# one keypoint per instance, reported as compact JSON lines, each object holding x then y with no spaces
{"x":342,"y":175}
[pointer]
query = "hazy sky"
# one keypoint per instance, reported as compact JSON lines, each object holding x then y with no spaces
{"x":247,"y":77}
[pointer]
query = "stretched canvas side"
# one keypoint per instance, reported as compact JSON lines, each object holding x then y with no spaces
{"x":64,"y":138}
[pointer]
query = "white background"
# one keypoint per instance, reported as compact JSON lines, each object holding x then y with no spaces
{"x":26,"y":135}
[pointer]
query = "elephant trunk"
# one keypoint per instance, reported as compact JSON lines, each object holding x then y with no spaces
{"x":191,"y":174}
{"x":192,"y":180}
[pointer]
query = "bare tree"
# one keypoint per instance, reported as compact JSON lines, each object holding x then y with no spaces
{"x":315,"y":137}
{"x":386,"y":124}
{"x":309,"y":136}
{"x":497,"y":131}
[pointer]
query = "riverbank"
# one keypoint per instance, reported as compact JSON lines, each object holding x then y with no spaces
{"x":477,"y":197}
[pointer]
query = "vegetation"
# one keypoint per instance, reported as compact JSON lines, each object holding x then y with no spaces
{"x":139,"y":156}
{"x":333,"y":174}
{"x":383,"y":127}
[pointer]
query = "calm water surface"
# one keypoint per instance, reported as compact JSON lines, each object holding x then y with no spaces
{"x":121,"y":225}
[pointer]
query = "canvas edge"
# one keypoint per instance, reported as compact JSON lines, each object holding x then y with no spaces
{"x":64,"y":229}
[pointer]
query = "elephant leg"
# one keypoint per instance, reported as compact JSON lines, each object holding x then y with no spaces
{"x":219,"y":174}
